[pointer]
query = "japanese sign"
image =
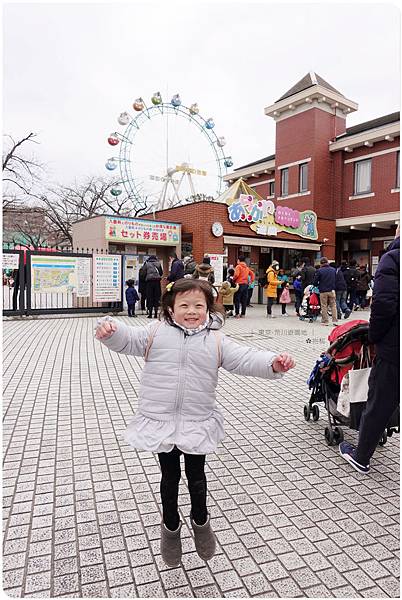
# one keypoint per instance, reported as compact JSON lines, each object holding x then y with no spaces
{"x":106,"y":278}
{"x":217,"y":264}
{"x":266,"y":219}
{"x":140,"y":231}
{"x":11,"y":261}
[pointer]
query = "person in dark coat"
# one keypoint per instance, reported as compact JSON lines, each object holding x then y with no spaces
{"x":362,"y":286}
{"x":341,"y":292}
{"x":307,"y":273}
{"x":383,"y":385}
{"x":324,"y":279}
{"x":351,"y":276}
{"x":142,"y":286}
{"x":153,"y":276}
{"x":189,"y":265}
{"x":176,"y":268}
{"x":131,"y":297}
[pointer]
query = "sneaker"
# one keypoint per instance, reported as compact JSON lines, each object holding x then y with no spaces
{"x":347,"y":314}
{"x":326,"y":324}
{"x":271,"y":316}
{"x":285,"y":315}
{"x":348,"y":452}
{"x":237,"y":316}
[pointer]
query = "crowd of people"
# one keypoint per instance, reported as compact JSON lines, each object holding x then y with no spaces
{"x":342,"y":288}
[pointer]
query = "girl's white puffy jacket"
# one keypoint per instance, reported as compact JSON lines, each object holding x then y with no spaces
{"x":177,"y":401}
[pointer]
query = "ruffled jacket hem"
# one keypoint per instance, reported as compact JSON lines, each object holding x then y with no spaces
{"x":191,"y":437}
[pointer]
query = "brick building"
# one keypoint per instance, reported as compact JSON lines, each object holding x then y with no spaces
{"x":349,"y":177}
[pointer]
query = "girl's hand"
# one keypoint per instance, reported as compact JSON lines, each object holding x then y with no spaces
{"x":105,"y":329}
{"x":282,"y":363}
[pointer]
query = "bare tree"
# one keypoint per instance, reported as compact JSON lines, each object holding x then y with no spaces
{"x":65,"y":205}
{"x":20,"y":173}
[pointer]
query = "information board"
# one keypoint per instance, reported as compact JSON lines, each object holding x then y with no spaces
{"x":106,"y":278}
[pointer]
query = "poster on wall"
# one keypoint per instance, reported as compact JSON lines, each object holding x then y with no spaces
{"x":106,"y":278}
{"x":217,"y":264}
{"x":61,"y":275}
{"x":53,"y":274}
{"x":11,"y":261}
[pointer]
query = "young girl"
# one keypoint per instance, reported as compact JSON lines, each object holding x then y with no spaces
{"x":177,"y":411}
{"x":284,"y":299}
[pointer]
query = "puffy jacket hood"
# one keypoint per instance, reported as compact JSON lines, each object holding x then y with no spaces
{"x":204,"y":269}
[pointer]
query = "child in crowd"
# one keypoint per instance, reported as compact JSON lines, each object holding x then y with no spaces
{"x":177,"y":410}
{"x":298,"y":288}
{"x":227,"y":292}
{"x":284,"y":299}
{"x":131,"y":297}
{"x":231,"y":273}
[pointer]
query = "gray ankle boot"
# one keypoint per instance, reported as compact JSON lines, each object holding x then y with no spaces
{"x":204,"y":538}
{"x":171,"y":549}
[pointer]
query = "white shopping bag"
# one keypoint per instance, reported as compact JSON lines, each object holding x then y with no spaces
{"x":343,"y":402}
{"x":358,"y":384}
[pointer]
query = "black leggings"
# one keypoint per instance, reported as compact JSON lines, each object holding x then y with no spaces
{"x":194,"y":465}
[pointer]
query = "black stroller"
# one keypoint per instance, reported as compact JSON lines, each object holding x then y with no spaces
{"x":348,"y":342}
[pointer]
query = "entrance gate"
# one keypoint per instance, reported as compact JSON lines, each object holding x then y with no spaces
{"x":50,"y":281}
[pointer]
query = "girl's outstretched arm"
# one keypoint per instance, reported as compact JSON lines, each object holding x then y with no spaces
{"x":244,"y":360}
{"x":119,"y":337}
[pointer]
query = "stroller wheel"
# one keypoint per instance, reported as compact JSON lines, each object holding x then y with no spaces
{"x":338,"y":435}
{"x":306,"y":412}
{"x":329,"y":436}
{"x":316,"y":412}
{"x":383,"y":439}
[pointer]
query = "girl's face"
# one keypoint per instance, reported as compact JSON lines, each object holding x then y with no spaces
{"x":190,"y":309}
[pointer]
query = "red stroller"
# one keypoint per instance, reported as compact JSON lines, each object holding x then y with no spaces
{"x":347,"y":344}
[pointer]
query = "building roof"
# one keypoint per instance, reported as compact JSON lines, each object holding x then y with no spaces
{"x":366,"y":126}
{"x":307,"y":81}
{"x":385,"y":120}
{"x":257,"y":162}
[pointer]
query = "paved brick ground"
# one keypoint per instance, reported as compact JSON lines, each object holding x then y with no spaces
{"x":81,"y":511}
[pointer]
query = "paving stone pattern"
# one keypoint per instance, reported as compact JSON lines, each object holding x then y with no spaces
{"x":81,"y":508}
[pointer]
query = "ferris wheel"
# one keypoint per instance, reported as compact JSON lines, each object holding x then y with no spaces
{"x":168,"y":155}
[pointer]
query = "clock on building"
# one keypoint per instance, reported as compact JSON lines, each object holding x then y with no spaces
{"x":217,"y":229}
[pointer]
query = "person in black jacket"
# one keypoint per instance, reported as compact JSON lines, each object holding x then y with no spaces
{"x":341,"y":293}
{"x":176,"y":268}
{"x":351,"y":276}
{"x":307,"y":272}
{"x":131,"y":297}
{"x":153,"y":276}
{"x":324,"y":279}
{"x":383,"y":385}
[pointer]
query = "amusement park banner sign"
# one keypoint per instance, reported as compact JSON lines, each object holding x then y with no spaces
{"x":140,"y":231}
{"x":266,"y":219}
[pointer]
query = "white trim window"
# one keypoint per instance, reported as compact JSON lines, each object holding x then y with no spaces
{"x":362,"y":177}
{"x":303,"y":177}
{"x":271,"y":188}
{"x":284,"y":182}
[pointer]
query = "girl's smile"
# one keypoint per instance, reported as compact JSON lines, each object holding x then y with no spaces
{"x":190,"y":309}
